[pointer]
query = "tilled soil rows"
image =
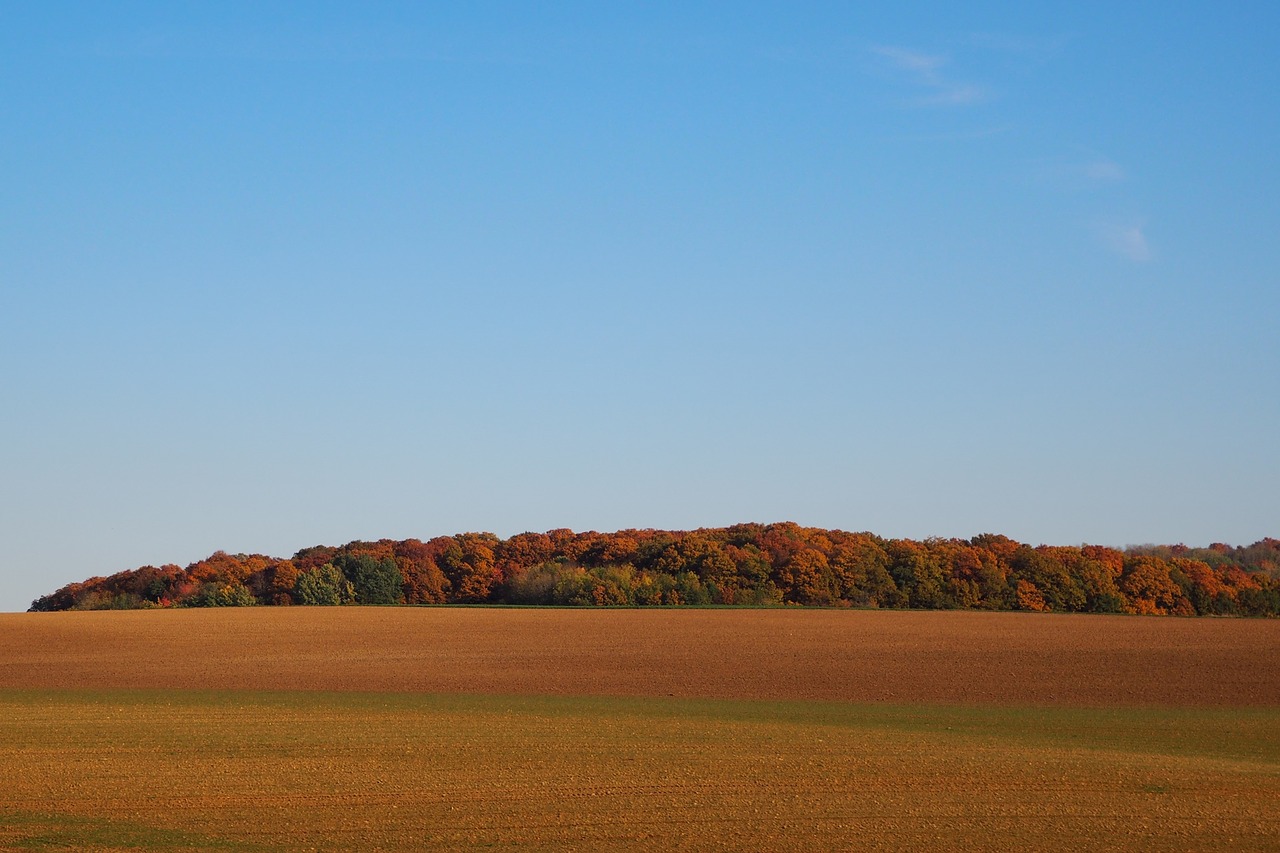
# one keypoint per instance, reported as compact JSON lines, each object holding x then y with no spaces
{"x":857,"y":656}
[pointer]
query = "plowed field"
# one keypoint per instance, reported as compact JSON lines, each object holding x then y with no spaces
{"x":412,"y":729}
{"x":852,"y":656}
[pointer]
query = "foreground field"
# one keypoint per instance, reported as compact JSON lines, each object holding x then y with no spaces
{"x":400,"y":729}
{"x":183,"y":770}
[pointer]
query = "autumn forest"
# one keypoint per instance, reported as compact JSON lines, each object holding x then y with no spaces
{"x":746,"y":564}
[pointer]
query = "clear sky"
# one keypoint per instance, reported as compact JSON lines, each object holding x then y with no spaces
{"x":281,"y":274}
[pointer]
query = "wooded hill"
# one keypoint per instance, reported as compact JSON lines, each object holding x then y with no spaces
{"x":746,"y":564}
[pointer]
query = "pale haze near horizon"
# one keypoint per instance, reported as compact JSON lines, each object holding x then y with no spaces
{"x":278,"y":277}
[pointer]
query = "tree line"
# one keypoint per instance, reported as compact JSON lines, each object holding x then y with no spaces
{"x":746,"y":564}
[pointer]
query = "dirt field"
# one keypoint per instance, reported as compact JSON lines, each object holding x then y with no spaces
{"x":855,"y":656}
{"x":193,"y":770}
{"x":446,"y":729}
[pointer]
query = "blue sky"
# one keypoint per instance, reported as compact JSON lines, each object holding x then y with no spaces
{"x":274,"y":275}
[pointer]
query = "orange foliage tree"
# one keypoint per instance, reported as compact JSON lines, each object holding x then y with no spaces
{"x":741,"y":564}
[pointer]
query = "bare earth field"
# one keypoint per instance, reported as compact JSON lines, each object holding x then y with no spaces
{"x":407,"y":729}
{"x":851,"y":656}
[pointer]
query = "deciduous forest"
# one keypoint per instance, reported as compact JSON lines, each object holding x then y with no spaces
{"x":746,"y":564}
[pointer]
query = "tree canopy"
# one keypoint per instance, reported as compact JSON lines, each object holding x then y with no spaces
{"x":746,"y":564}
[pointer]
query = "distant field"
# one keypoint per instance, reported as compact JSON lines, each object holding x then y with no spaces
{"x":844,"y":655}
{"x":410,"y":729}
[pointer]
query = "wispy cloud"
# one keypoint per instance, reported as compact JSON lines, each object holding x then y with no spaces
{"x":1084,"y":171}
{"x":957,"y":95}
{"x":924,"y":64}
{"x":1102,"y":170}
{"x":1127,"y":239}
{"x":926,"y":72}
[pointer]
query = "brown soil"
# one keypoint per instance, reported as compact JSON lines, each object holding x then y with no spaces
{"x":961,"y":657}
{"x":313,"y":771}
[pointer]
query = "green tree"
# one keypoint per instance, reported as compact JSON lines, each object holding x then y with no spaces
{"x":215,"y":594}
{"x":1046,"y":570}
{"x":861,"y":569}
{"x":917,"y":571}
{"x":374,"y":581}
{"x":325,"y":585}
